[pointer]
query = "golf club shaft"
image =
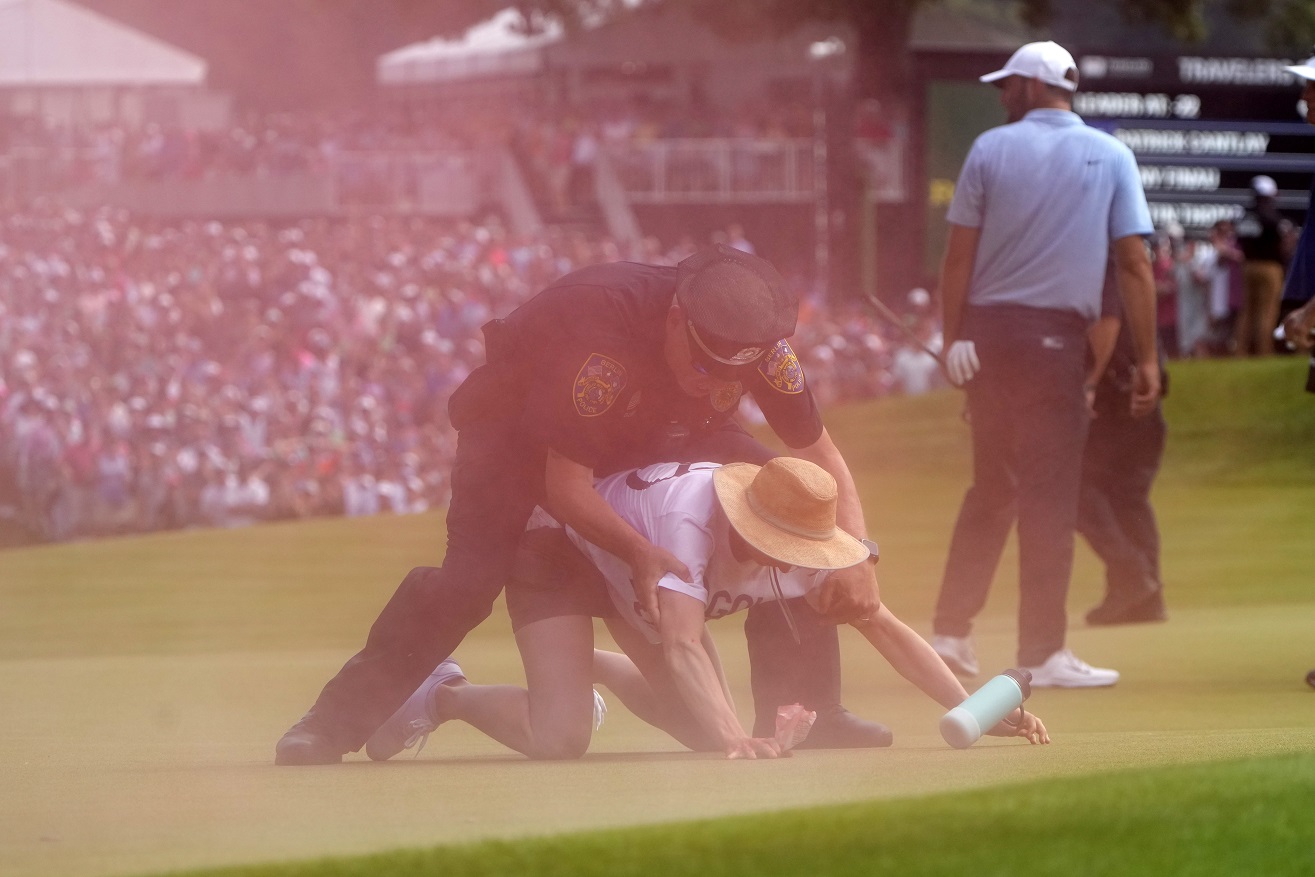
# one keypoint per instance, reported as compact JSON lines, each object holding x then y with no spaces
{"x":893,"y":318}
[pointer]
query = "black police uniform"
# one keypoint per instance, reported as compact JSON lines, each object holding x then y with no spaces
{"x":579,"y":368}
{"x":1119,"y":465}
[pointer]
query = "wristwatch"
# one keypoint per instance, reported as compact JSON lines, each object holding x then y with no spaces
{"x":873,"y":552}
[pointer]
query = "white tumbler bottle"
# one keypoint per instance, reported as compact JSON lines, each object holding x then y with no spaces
{"x":966,"y":723}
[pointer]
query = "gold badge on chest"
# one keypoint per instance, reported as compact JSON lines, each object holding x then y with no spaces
{"x":725,"y":398}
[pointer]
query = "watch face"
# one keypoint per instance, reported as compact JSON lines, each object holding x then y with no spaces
{"x":871,"y":547}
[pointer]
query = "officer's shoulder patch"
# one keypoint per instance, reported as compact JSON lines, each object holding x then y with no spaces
{"x":782,"y":370}
{"x":598,"y":384}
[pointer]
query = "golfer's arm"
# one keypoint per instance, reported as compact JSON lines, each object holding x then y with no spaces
{"x":1101,"y":337}
{"x":572,"y":499}
{"x":956,"y":275}
{"x":692,"y":670}
{"x":1137,"y":289}
{"x":912,"y":657}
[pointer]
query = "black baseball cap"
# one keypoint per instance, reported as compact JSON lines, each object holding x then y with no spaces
{"x":737,"y":307}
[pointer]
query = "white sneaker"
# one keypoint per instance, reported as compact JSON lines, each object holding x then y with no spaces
{"x":957,"y":653}
{"x":415,"y":719}
{"x":1064,"y":669}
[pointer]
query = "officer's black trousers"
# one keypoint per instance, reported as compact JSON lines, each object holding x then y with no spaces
{"x":496,"y":481}
{"x":1115,"y":516}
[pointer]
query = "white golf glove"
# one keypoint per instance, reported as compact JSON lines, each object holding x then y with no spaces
{"x":961,"y":362}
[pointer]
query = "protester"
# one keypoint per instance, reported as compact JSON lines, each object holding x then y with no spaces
{"x":749,"y":535}
{"x":609,"y":367}
{"x":1039,"y":205}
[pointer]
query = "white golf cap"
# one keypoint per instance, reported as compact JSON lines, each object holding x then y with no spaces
{"x":1306,"y":69}
{"x":1047,"y":61}
{"x":1263,"y":185}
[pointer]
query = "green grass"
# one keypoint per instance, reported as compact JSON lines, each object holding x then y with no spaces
{"x":144,"y":681}
{"x":1232,"y":818}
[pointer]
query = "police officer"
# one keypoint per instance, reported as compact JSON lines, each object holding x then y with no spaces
{"x":1119,"y":465}
{"x":611,"y":367}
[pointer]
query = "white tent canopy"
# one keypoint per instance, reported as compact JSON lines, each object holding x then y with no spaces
{"x":51,"y":42}
{"x":491,"y":48}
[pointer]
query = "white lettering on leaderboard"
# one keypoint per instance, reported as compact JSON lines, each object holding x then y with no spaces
{"x":1234,"y":71}
{"x":1131,"y":104}
{"x":1147,"y":140}
{"x":1190,"y":179}
{"x":1192,"y":215}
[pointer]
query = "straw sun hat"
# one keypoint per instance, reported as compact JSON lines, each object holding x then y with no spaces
{"x":787,"y":510}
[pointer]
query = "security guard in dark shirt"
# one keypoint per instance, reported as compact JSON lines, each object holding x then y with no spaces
{"x":612,"y":366}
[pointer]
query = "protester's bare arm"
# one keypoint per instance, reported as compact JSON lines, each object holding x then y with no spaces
{"x":695,"y":677}
{"x":710,"y":646}
{"x":654,"y":698}
{"x":915,"y":660}
{"x":1137,"y":288}
{"x":850,"y":593}
{"x":572,"y":499}
{"x":912,"y":657}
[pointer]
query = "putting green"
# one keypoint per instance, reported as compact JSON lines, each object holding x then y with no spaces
{"x":144,"y":681}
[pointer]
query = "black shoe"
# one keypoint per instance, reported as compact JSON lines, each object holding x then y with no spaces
{"x":1138,"y":608}
{"x":838,"y":728}
{"x":304,"y":744}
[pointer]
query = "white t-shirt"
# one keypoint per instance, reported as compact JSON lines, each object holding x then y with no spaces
{"x":675,"y":507}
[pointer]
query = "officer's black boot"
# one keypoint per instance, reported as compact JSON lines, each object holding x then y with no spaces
{"x":808,"y":672}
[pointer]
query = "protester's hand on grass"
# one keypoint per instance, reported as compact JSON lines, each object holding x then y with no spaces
{"x":1030,"y":728}
{"x":755,"y":747}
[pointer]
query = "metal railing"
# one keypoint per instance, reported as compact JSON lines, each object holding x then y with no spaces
{"x":446,"y":183}
{"x":682,"y":171}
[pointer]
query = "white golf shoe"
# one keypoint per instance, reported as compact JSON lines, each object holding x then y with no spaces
{"x":1064,"y":669}
{"x":957,"y":653}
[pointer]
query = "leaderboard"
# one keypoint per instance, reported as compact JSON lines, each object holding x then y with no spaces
{"x":1201,"y":128}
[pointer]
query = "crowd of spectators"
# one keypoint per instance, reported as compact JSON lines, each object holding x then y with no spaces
{"x":157,"y":376}
{"x":556,"y":140}
{"x":264,"y":144}
{"x":1199,"y":288}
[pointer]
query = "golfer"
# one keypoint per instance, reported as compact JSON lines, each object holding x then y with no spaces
{"x":1040,"y":204}
{"x":749,"y":536}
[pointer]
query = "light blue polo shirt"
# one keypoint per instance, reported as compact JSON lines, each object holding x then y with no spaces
{"x":1049,"y":194}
